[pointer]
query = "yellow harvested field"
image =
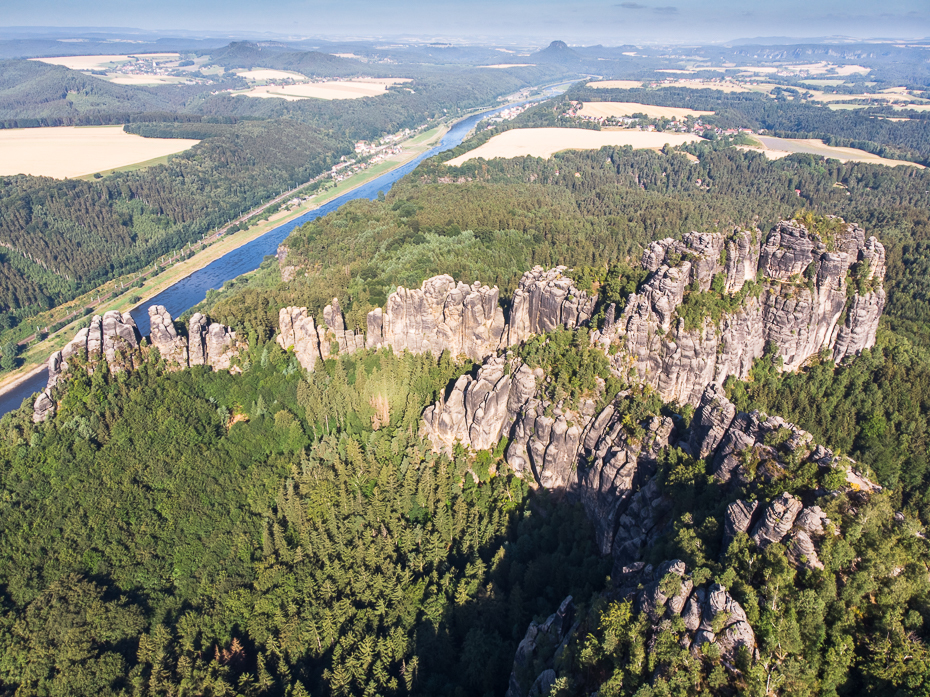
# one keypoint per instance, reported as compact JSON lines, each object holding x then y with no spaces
{"x":543,"y":142}
{"x":69,"y":151}
{"x":94,"y":62}
{"x":775,"y":148}
{"x":508,"y":65}
{"x":336,"y":89}
{"x":608,"y":109}
{"x":122,"y":79}
{"x":265,"y":74}
{"x":617,"y":84}
{"x":721,"y":85}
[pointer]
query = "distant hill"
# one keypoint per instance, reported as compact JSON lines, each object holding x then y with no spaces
{"x":557,"y":53}
{"x":30,"y":89}
{"x":246,"y":54}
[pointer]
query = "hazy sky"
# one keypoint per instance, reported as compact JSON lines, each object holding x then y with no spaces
{"x":588,"y":21}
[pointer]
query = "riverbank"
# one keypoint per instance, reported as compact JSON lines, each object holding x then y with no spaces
{"x":130,"y":296}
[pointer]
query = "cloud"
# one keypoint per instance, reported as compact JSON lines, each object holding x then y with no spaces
{"x":631,"y":6}
{"x":666,"y":10}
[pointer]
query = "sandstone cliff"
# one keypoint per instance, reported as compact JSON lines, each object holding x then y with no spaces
{"x":806,"y":300}
{"x":114,"y":339}
{"x":311,"y":342}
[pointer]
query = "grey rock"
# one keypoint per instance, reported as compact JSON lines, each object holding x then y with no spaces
{"x":546,"y":299}
{"x":711,"y":421}
{"x":43,"y":408}
{"x":812,"y":520}
{"x":777,"y":520}
{"x":440,"y":316}
{"x":164,"y":336}
{"x":297,"y":331}
{"x":543,"y":684}
{"x":801,"y":550}
{"x":738,"y":519}
{"x":539,"y":645}
{"x":197,"y":340}
{"x":803,"y":298}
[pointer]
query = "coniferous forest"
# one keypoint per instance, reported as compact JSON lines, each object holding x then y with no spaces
{"x":273,"y":530}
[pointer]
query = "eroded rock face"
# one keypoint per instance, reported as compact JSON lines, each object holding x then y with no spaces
{"x":114,"y":340}
{"x":164,"y":336}
{"x":777,"y":520}
{"x":546,"y":299}
{"x":440,"y":316}
{"x":798,"y":307}
{"x":311,"y":342}
{"x":710,"y":615}
{"x":542,"y":644}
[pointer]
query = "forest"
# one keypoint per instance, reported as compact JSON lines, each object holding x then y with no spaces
{"x":63,"y":238}
{"x":903,"y":140}
{"x":283,"y":532}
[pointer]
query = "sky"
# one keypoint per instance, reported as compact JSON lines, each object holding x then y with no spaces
{"x":585,"y":22}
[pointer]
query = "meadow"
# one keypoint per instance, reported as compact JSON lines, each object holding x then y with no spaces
{"x":775,"y":148}
{"x":331,"y":89}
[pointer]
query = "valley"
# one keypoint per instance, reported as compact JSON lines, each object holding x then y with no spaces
{"x":455,"y":367}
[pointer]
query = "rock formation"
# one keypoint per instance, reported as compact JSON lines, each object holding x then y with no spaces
{"x":311,"y":342}
{"x":797,"y":307}
{"x":114,"y":339}
{"x":546,"y":299}
{"x":206,"y":343}
{"x":542,"y":644}
{"x":711,"y":615}
{"x":441,"y":315}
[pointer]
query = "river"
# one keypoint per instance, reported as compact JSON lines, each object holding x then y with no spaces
{"x":192,"y":289}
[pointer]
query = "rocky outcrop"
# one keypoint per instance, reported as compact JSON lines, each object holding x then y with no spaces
{"x":206,"y":343}
{"x":797,"y":307}
{"x":441,"y":315}
{"x":114,"y":340}
{"x":312,"y":342}
{"x":542,"y":645}
{"x":709,"y":615}
{"x":777,"y":520}
{"x":164,"y":336}
{"x":546,"y":299}
{"x":111,"y":338}
{"x":737,"y":519}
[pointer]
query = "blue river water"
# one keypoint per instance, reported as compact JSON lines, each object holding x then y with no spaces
{"x":189,"y":291}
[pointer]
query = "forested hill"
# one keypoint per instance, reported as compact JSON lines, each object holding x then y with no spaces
{"x":908,"y":139}
{"x":245,"y":54}
{"x":62,"y":238}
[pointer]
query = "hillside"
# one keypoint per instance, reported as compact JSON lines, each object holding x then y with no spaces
{"x":616,"y":422}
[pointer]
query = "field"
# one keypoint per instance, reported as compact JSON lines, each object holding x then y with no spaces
{"x":97,"y":62}
{"x":617,"y":84}
{"x":775,"y":148}
{"x":266,"y":74}
{"x":70,"y":151}
{"x":123,"y":79}
{"x":607,"y":109}
{"x":335,"y":89}
{"x":543,"y":142}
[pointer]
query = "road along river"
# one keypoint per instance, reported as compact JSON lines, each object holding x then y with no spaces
{"x":192,"y":289}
